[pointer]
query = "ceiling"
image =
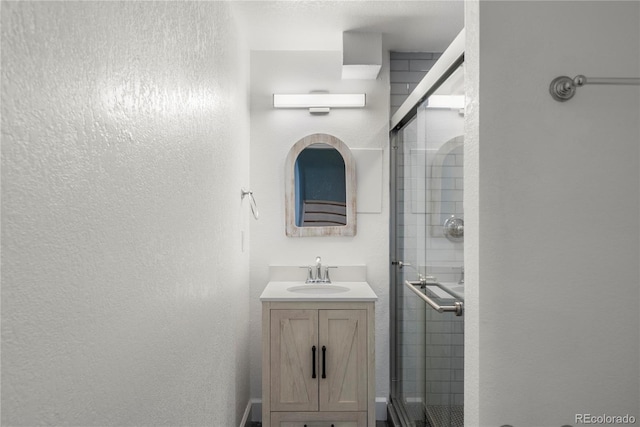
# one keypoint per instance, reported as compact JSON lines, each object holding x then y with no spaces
{"x":317,"y":25}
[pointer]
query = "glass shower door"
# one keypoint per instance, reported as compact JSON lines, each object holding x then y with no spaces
{"x":427,"y":346}
{"x":408,"y":376}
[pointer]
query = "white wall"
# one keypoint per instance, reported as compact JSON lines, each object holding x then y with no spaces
{"x":125,"y":144}
{"x":273,"y":132}
{"x":552,"y":267}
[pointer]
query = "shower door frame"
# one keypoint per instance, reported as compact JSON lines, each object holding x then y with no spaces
{"x":447,"y":64}
{"x":395,"y":363}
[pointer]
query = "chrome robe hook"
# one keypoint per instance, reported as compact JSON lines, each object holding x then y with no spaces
{"x":252,"y":201}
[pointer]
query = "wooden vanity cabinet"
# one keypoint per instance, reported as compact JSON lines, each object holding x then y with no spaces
{"x":318,"y":364}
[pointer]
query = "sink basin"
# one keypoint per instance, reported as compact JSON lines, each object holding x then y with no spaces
{"x":322,"y":289}
{"x":316,"y":292}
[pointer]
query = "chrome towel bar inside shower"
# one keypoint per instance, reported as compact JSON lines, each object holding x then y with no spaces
{"x":456,"y":308}
{"x":563,"y":88}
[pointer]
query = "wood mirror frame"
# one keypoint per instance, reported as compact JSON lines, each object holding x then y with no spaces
{"x":292,"y":229}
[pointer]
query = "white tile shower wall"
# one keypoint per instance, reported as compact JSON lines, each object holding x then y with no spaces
{"x":407,"y":69}
{"x":444,"y":358}
{"x":432,"y":354}
{"x":413,"y":352}
{"x":424,"y":243}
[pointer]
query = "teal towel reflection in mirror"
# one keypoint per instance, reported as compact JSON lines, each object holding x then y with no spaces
{"x":320,"y":213}
{"x":320,"y":187}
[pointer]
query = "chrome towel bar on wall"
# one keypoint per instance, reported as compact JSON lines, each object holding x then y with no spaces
{"x":563,"y":88}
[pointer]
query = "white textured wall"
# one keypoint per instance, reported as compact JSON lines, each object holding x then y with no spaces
{"x":553,"y":283}
{"x":273,"y":132}
{"x":124,"y":147}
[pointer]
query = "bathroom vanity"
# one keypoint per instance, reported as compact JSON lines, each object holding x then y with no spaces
{"x":318,"y":361}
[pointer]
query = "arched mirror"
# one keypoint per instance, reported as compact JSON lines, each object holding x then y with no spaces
{"x":320,"y":193}
{"x":447,"y":185}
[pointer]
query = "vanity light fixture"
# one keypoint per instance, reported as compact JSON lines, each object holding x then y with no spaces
{"x":319,"y":103}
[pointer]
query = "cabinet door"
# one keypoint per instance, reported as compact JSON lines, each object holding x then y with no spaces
{"x":294,"y":334}
{"x":343,"y":358}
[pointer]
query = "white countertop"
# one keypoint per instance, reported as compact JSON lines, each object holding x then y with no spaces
{"x":355,"y":291}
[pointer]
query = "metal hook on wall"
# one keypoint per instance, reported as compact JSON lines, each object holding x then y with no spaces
{"x":252,"y":201}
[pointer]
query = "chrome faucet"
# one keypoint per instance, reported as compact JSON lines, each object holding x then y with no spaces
{"x":317,"y":274}
{"x":318,"y":269}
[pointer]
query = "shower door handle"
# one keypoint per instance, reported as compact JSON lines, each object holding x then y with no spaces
{"x":400,"y":264}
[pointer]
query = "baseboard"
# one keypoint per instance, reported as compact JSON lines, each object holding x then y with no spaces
{"x":256,"y":410}
{"x":381,"y":409}
{"x":254,"y":407}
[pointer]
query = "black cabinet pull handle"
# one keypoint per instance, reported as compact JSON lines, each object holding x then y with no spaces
{"x":313,"y":363}
{"x":324,"y":360}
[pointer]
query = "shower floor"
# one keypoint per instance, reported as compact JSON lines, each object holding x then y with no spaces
{"x":258,"y":424}
{"x":435,"y":415}
{"x":449,"y":416}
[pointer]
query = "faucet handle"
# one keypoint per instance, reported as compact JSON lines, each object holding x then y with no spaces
{"x":326,"y":278}
{"x":310,"y":278}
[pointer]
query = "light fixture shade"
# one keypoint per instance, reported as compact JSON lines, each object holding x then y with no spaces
{"x":319,"y":100}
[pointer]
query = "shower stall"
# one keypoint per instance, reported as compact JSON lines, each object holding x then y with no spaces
{"x":427,"y":238}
